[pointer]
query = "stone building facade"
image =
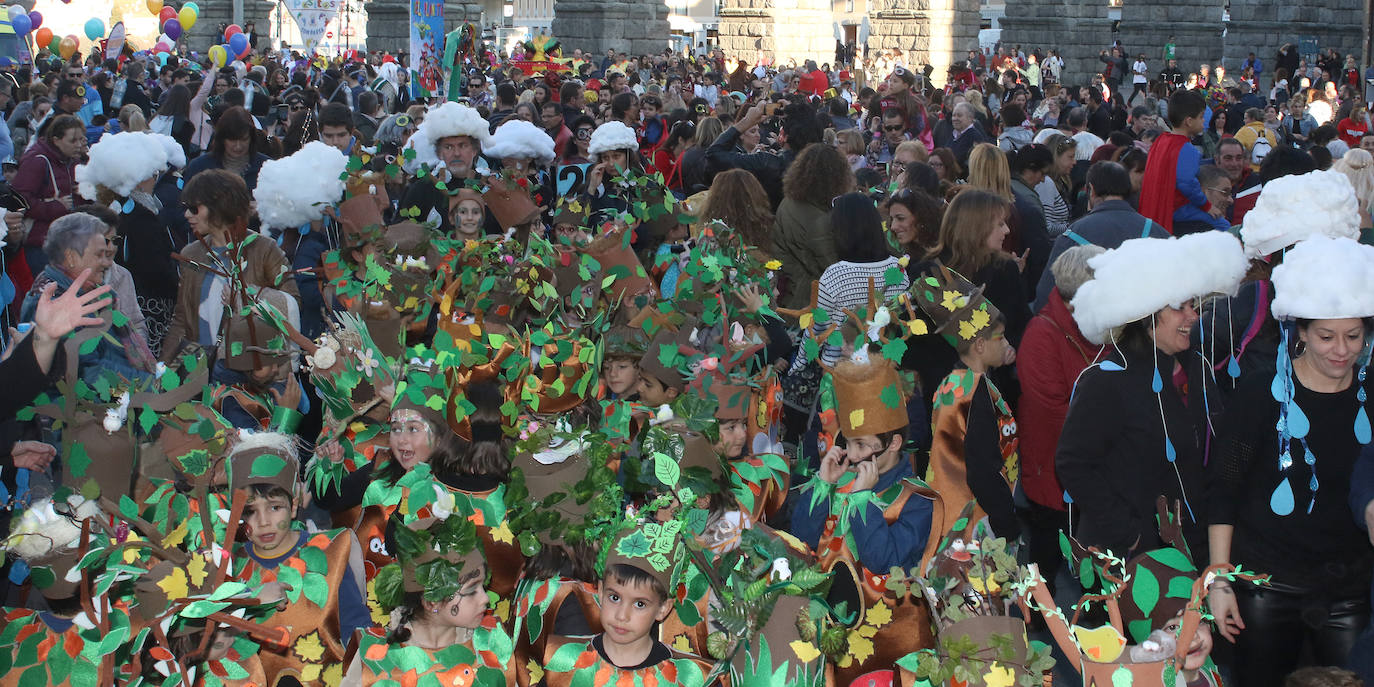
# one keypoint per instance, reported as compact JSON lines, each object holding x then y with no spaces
{"x":1081,"y":29}
{"x":926,"y":31}
{"x":632,"y":26}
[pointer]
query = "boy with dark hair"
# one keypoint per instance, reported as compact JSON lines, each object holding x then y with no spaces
{"x":336,"y":127}
{"x":317,"y":576}
{"x":634,"y":598}
{"x":1170,"y":191}
{"x":973,"y":452}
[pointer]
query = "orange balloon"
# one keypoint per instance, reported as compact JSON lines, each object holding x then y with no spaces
{"x":43,"y":36}
{"x":154,"y":6}
{"x":68,"y":47}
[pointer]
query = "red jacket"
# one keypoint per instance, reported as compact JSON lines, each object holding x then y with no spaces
{"x":39,"y":167}
{"x":1051,"y":356}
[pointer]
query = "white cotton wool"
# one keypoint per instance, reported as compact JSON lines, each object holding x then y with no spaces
{"x":176,"y":155}
{"x":612,"y":136}
{"x":294,"y":190}
{"x":518,"y":138}
{"x":1324,"y":278}
{"x":41,"y":530}
{"x":449,"y":119}
{"x":120,"y":162}
{"x":1292,"y":208}
{"x":1144,"y":276}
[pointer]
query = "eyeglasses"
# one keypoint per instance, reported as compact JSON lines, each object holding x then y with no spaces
{"x":297,"y":107}
{"x":584,"y":134}
{"x":1222,"y":191}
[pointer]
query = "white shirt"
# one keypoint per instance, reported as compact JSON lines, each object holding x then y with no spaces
{"x":1139,"y":69}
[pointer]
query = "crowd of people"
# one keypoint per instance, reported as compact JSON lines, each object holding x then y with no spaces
{"x":676,"y":369}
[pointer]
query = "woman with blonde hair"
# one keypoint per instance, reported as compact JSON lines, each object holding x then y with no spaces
{"x":988,"y":170}
{"x":131,"y":119}
{"x":851,"y":144}
{"x":1358,"y":166}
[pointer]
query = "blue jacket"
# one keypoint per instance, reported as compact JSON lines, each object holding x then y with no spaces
{"x":106,"y":356}
{"x":1189,"y":159}
{"x":880,"y":545}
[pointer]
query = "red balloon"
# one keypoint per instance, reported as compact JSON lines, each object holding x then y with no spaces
{"x":230,"y":30}
{"x":165,"y":14}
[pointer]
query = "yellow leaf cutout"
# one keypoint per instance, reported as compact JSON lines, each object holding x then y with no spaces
{"x":196,"y":570}
{"x":311,"y":672}
{"x":966,"y":330}
{"x":177,"y":535}
{"x":918,"y":327}
{"x":867,"y":631}
{"x":980,"y":319}
{"x":860,"y":647}
{"x":856,"y":418}
{"x":681,"y":643}
{"x":953,"y":300}
{"x":986,"y":585}
{"x":878,"y":616}
{"x":502,"y":611}
{"x":309,"y":647}
{"x":131,"y":553}
{"x":174,"y":584}
{"x":773,"y":265}
{"x":333,"y":675}
{"x":999,"y":676}
{"x":503,"y":533}
{"x":805,"y":651}
{"x":805,"y":320}
{"x":536,"y":671}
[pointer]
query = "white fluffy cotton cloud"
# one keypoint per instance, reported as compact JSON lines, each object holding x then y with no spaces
{"x":520,"y":139}
{"x":294,"y":190}
{"x":1292,"y":208}
{"x":1145,"y":275}
{"x":120,"y":162}
{"x":1325,"y":278}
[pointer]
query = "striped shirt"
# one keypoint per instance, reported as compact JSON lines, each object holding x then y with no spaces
{"x":845,"y":285}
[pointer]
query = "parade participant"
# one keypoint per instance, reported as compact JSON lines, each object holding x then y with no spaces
{"x":1148,"y":404}
{"x":217,"y":204}
{"x":467,"y":214}
{"x":436,"y":595}
{"x":292,"y":198}
{"x":633,"y":595}
{"x":974,"y":453}
{"x":1281,"y":512}
{"x":447,"y":148}
{"x":318,"y":577}
{"x":45,"y":180}
{"x":123,"y":170}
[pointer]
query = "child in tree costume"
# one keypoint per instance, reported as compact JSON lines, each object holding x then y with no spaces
{"x":441,"y":633}
{"x":319,"y":577}
{"x":973,"y":456}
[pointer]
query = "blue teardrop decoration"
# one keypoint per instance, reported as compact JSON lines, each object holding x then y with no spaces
{"x":1298,"y":424}
{"x":1281,"y":501}
{"x":1362,"y":433}
{"x":1111,"y":366}
{"x":180,"y":182}
{"x":1233,"y":368}
{"x":1157,"y":384}
{"x":1277,"y":387}
{"x":1067,"y":498}
{"x":1169,"y":451}
{"x":128,"y":206}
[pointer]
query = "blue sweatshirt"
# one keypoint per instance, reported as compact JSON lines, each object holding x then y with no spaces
{"x":880,"y":546}
{"x":1189,"y":159}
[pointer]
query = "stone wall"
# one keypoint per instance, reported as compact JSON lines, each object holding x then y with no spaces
{"x":635,"y":27}
{"x":388,"y":22}
{"x":930,"y":32}
{"x":1081,"y":29}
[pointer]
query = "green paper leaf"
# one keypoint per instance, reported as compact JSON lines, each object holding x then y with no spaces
{"x":666,"y":470}
{"x":894,"y":350}
{"x":266,"y":465}
{"x":890,"y":397}
{"x":88,"y":346}
{"x":1145,"y":590}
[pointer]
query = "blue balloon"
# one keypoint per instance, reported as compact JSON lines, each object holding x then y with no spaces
{"x":238,"y":43}
{"x":22,"y":24}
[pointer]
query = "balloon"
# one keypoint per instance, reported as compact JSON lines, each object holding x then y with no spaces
{"x":22,"y":25}
{"x":95,"y":29}
{"x":67,"y":47}
{"x":55,"y":45}
{"x":43,"y":36}
{"x":218,"y":56}
{"x":194,"y":8}
{"x":187,"y":16}
{"x":35,"y":20}
{"x":238,"y":43}
{"x":154,"y":6}
{"x":164,"y":14}
{"x":16,"y":10}
{"x":172,"y":28}
{"x":232,"y":29}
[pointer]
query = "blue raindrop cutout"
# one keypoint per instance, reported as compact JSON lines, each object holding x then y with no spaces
{"x":1233,"y":368}
{"x":1169,"y":451}
{"x":1281,"y":501}
{"x":1157,"y":384}
{"x":1297,"y":421}
{"x":128,"y":206}
{"x":1111,"y":366}
{"x":1362,"y":433}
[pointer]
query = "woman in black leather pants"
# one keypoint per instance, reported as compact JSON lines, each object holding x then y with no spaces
{"x":1273,"y":521}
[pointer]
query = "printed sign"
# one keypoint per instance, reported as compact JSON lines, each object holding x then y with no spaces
{"x":426,"y":47}
{"x":312,"y":16}
{"x":572,"y":178}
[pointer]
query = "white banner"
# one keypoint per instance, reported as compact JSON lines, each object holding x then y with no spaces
{"x":312,"y":17}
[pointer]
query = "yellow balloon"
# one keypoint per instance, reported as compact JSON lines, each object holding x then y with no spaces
{"x":154,"y":6}
{"x":218,"y":56}
{"x":187,"y":17}
{"x":67,"y":47}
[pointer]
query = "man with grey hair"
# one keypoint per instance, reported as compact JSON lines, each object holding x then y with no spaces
{"x":967,"y":134}
{"x":77,"y":247}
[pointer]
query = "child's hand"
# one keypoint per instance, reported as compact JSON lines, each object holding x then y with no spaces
{"x":833,"y":465}
{"x":290,"y":397}
{"x":1215,"y":211}
{"x":865,"y":476}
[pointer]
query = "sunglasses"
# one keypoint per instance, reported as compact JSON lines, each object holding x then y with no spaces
{"x":584,"y":134}
{"x":297,"y":108}
{"x":898,"y":127}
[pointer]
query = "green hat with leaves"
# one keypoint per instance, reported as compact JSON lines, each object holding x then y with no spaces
{"x":423,"y":388}
{"x":264,"y":458}
{"x":655,"y":548}
{"x":434,"y":557}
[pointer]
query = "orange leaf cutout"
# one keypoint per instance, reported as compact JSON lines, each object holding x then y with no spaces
{"x":376,"y":652}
